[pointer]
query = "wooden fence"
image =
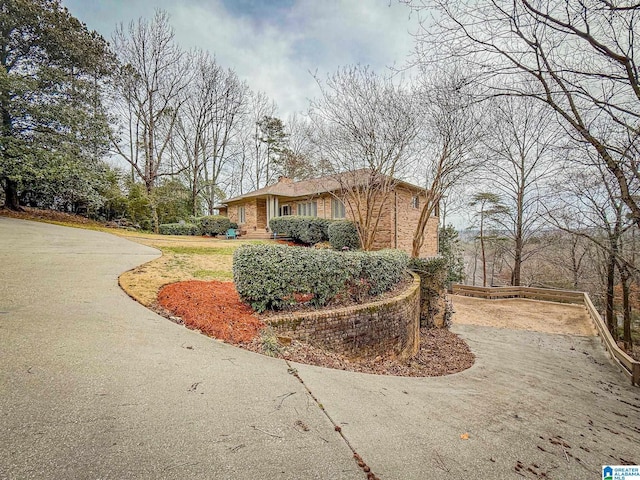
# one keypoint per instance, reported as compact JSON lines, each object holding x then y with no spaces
{"x":629,"y":366}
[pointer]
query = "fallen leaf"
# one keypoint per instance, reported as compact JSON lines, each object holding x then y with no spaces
{"x":464,"y":436}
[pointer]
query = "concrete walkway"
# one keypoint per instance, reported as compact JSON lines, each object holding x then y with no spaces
{"x":94,"y":385}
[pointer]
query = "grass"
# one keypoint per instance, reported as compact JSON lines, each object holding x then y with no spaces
{"x":183,"y":258}
{"x":188,"y":250}
{"x":213,"y":274}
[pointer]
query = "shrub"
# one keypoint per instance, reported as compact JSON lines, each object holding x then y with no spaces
{"x":343,"y":234}
{"x":382,"y":270}
{"x":179,"y":229}
{"x":268,"y":276}
{"x":214,"y":225}
{"x":309,"y":230}
{"x":279,"y":225}
{"x":272,"y":276}
{"x":233,"y":225}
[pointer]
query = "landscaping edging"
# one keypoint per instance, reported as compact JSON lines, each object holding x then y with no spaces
{"x":390,"y":326}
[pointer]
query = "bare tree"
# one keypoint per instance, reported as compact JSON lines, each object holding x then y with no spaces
{"x":489,"y":206}
{"x":451,"y":132}
{"x":453,"y":202}
{"x":520,"y":148}
{"x":208,"y":129}
{"x":576,"y":56}
{"x":592,"y":208}
{"x":153,"y":76}
{"x":253,"y":167}
{"x":297,"y":159}
{"x":571,"y":253}
{"x":367,"y":127}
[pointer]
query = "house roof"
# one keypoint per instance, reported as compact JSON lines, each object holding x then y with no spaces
{"x":315,"y":186}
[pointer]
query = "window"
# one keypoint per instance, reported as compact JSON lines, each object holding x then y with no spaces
{"x":308,"y":209}
{"x":241,"y":217}
{"x":415,"y":201}
{"x":337,"y":208}
{"x":284,"y":210}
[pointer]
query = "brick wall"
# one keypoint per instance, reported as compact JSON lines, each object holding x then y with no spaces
{"x":232,"y":213}
{"x":398,"y":221}
{"x":261,"y":214}
{"x":386,"y":327}
{"x":407,"y":219}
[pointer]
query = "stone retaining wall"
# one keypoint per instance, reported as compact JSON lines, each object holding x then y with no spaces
{"x":386,"y":327}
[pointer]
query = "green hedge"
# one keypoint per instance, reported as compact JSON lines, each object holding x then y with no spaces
{"x":279,"y":225}
{"x":269,"y":276}
{"x":214,"y":225}
{"x":179,"y":229}
{"x":382,"y":270}
{"x":309,"y":230}
{"x":343,"y":235}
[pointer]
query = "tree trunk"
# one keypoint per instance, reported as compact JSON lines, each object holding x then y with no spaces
{"x":475,"y":263}
{"x":425,"y":214}
{"x":484,"y":257}
{"x":517,"y":263}
{"x":612,"y":323}
{"x":154,"y":218}
{"x":625,"y":280}
{"x":11,"y":200}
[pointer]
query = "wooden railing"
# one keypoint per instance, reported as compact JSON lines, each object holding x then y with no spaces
{"x":564,"y":296}
{"x":629,"y":366}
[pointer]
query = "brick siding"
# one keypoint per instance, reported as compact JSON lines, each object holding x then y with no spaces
{"x":395,"y":228}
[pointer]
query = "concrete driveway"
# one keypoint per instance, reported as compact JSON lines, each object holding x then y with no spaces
{"x":94,"y":385}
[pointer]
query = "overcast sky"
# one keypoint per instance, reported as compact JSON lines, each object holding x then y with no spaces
{"x":274,"y":44}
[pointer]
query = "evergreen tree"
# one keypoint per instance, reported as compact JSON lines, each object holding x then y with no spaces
{"x":51,"y":67}
{"x":450,"y":249}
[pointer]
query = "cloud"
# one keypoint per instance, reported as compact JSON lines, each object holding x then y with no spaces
{"x":275,"y":44}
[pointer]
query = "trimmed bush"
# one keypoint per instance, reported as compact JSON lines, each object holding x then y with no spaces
{"x":382,"y":269}
{"x":280,"y":225}
{"x":179,"y":229}
{"x":214,"y":225}
{"x":308,"y":230}
{"x":268,"y":276}
{"x":343,"y":234}
{"x":272,"y":276}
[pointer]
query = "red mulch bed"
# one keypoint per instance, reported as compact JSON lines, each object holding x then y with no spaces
{"x":212,"y":307}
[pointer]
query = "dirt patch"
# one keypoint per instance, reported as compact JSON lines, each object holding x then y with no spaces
{"x":522,"y":314}
{"x":214,"y":308}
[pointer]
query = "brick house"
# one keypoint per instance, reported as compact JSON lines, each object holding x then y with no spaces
{"x":325,"y":197}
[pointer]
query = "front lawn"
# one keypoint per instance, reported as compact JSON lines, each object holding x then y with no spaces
{"x":183,"y":259}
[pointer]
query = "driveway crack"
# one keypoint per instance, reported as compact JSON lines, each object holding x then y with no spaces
{"x":358,"y":459}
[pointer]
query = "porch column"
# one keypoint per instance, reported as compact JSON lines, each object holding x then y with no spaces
{"x":272,"y":207}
